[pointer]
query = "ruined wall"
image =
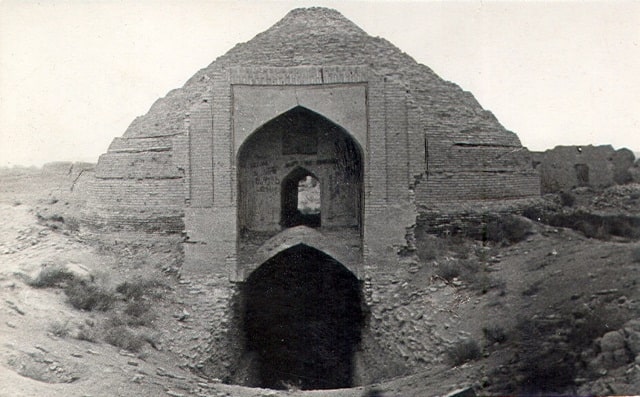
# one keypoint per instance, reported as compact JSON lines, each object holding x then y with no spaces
{"x":567,"y":167}
{"x":635,"y":171}
{"x":139,"y":185}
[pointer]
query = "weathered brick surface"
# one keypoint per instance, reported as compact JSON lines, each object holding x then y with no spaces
{"x":144,"y":164}
{"x":430,"y":155}
{"x":480,"y":185}
{"x":416,"y":120}
{"x":201,"y":156}
{"x":600,"y":166}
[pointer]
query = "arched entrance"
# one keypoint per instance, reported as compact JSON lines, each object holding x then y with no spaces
{"x":298,"y":146}
{"x":302,"y":320}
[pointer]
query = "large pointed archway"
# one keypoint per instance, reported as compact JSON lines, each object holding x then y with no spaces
{"x":272,"y":162}
{"x":302,"y":320}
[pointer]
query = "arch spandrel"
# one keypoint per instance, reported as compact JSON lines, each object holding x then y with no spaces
{"x":343,"y":105}
{"x":336,"y":246}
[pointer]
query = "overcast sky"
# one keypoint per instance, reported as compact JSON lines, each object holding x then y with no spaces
{"x":74,"y":74}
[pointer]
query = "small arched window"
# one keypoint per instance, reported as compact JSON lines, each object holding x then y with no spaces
{"x":301,"y":199}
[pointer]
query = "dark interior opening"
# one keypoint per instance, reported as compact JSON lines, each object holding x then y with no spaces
{"x":294,"y":187}
{"x":582,"y":174}
{"x":302,"y":320}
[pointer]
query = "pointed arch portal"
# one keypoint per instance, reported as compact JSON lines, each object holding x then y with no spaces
{"x":299,"y":147}
{"x":302,"y":320}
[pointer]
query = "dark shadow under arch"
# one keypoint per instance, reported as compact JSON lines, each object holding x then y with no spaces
{"x":302,"y":320}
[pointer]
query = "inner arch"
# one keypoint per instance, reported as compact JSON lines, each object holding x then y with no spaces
{"x":301,"y":196}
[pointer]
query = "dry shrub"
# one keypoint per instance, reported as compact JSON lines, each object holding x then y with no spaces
{"x":138,"y":313}
{"x":429,"y":247}
{"x":464,"y":351}
{"x":589,"y":324}
{"x":60,"y":328}
{"x":137,"y":289}
{"x":507,"y":229}
{"x":549,"y":350}
{"x":546,"y":362}
{"x":494,"y":334}
{"x":52,"y":276}
{"x":473,"y":272}
{"x":449,"y":270}
{"x":124,"y":338}
{"x":82,"y":294}
{"x":88,"y":333}
{"x":601,"y":227}
{"x":567,"y":199}
{"x":88,"y":296}
{"x":483,"y":282}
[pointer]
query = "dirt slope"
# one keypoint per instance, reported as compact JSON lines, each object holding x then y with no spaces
{"x":557,"y":316}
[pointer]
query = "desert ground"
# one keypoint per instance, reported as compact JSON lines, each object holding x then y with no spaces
{"x":551,"y":307}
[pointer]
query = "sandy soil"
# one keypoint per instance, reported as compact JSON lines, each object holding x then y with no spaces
{"x":553,"y":273}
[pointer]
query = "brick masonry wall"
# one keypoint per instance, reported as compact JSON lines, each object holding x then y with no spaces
{"x":426,"y":142}
{"x":418,"y":110}
{"x":476,"y":185}
{"x":200,"y":156}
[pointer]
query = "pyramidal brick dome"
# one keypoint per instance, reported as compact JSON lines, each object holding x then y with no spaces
{"x":322,"y":36}
{"x":391,"y":149}
{"x":422,"y":138}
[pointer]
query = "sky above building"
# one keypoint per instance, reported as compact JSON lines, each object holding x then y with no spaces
{"x":74,"y":74}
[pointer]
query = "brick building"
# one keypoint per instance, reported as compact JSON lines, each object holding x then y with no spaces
{"x":313,"y":100}
{"x":568,"y":167}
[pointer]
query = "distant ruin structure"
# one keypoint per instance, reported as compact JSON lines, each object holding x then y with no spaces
{"x":311,"y":103}
{"x":568,"y":167}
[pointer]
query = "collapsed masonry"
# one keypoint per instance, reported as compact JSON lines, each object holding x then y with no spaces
{"x":568,"y":167}
{"x":312,"y":101}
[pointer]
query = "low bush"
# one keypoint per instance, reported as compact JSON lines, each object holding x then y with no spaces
{"x":593,"y":323}
{"x":494,"y":334}
{"x":137,"y":289}
{"x":483,"y":282}
{"x":60,"y":329}
{"x":138,"y":313}
{"x":87,"y":333}
{"x":549,"y":349}
{"x":567,"y":199}
{"x":448,"y":270}
{"x":472,"y":271}
{"x":88,"y":296}
{"x":535,"y":214}
{"x":124,"y":338}
{"x":546,"y":361}
{"x":429,"y":247}
{"x":507,"y":229}
{"x":52,"y":276}
{"x":601,"y":227}
{"x":464,"y":351}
